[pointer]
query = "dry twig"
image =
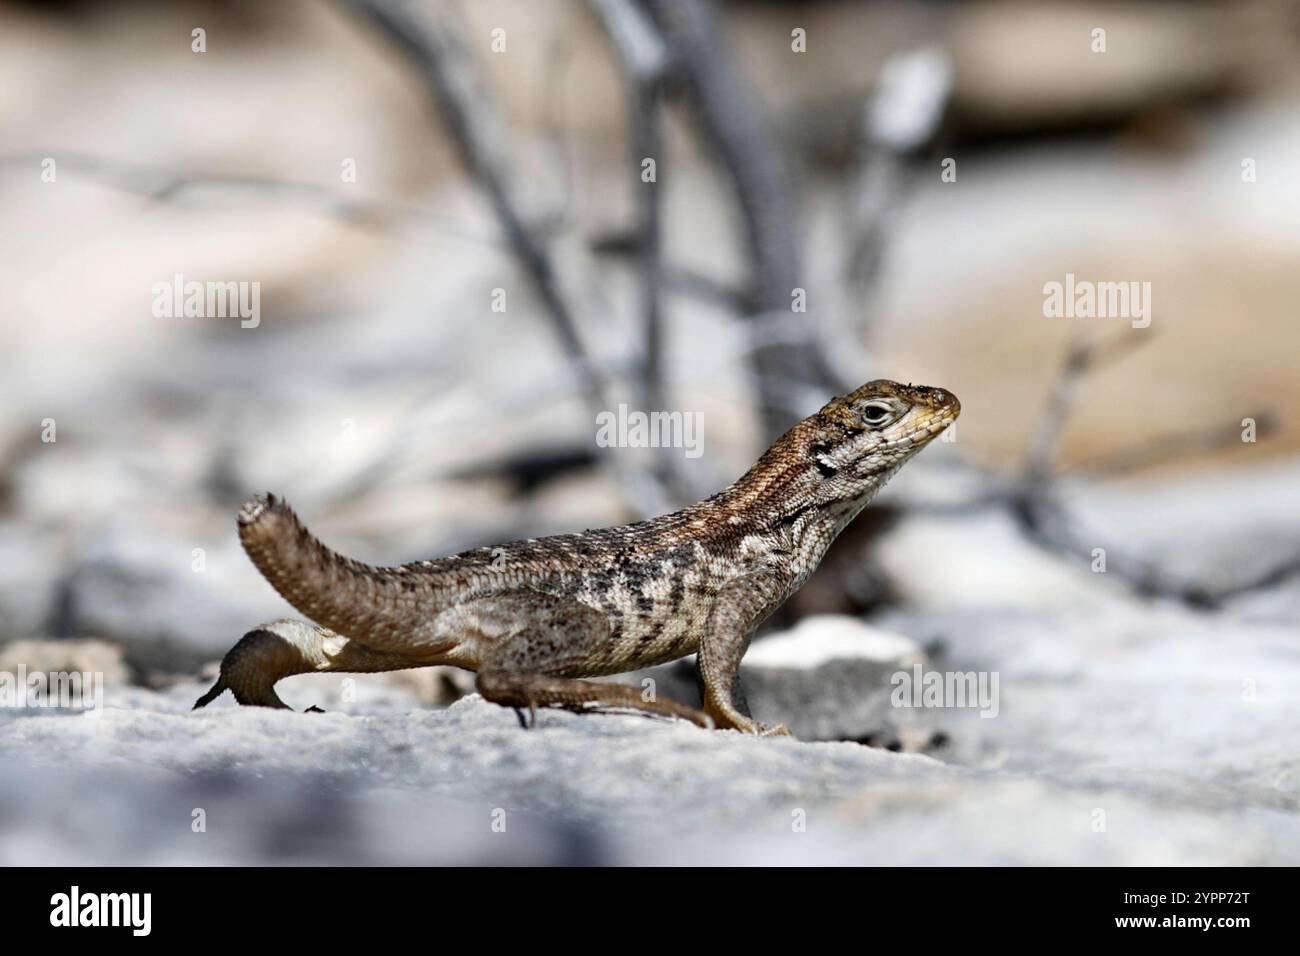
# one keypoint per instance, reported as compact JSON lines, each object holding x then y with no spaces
{"x":450,"y":75}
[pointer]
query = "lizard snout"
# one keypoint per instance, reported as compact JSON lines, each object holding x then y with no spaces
{"x":939,"y":399}
{"x":942,"y":398}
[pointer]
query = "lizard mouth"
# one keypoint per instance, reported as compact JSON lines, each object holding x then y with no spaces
{"x":943,"y":406}
{"x":929,"y":420}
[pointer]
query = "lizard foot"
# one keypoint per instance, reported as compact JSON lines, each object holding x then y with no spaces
{"x":747,"y":725}
{"x":764,"y":730}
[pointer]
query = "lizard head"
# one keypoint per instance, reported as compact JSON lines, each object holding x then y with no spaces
{"x":840,"y":457}
{"x":867,"y":435}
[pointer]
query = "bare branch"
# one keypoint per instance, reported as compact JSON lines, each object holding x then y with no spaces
{"x":640,"y":47}
{"x":791,"y":380}
{"x":681,"y":279}
{"x":167,"y":185}
{"x":1173,"y":447}
{"x":450,"y":75}
{"x":644,"y":59}
{"x":1045,"y":520}
{"x":452,"y":79}
{"x":1082,"y":356}
{"x":902,"y":116}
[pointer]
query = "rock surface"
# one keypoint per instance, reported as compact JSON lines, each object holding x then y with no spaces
{"x":1117,"y":741}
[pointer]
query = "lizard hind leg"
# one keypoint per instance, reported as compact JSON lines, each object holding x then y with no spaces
{"x":545,"y":639}
{"x":528,"y":691}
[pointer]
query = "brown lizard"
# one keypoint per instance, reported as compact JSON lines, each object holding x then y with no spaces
{"x":532,"y":617}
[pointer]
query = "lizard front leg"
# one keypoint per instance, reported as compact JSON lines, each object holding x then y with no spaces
{"x":740,"y":607}
{"x":546,"y":638}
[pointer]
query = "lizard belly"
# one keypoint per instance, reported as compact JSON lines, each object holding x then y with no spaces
{"x":622,"y":637}
{"x":650,"y":608}
{"x":660,"y":621}
{"x":644,"y":640}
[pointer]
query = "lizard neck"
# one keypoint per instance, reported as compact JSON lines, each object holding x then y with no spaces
{"x":786,"y":511}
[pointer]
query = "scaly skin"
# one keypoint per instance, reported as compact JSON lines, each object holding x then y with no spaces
{"x":531,"y":617}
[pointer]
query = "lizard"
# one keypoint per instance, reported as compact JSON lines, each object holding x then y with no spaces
{"x":533,"y":618}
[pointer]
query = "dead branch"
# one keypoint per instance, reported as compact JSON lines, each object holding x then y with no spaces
{"x":1034,"y":500}
{"x":901,"y":117}
{"x":1171,"y":448}
{"x":645,"y":63}
{"x":644,"y":60}
{"x":678,"y":278}
{"x":452,"y":79}
{"x":167,"y":185}
{"x":793,"y":379}
{"x":449,"y":74}
{"x":1036,"y":504}
{"x":1083,"y":356}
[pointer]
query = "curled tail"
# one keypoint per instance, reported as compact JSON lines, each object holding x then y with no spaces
{"x":251,"y":668}
{"x":382,"y":607}
{"x":213,"y":693}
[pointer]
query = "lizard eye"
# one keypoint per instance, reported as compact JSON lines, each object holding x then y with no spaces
{"x":877,"y":414}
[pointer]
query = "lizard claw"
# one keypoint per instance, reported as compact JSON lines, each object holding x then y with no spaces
{"x":747,"y":725}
